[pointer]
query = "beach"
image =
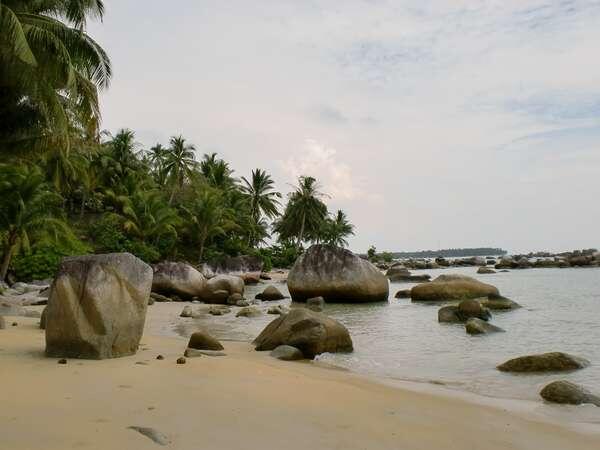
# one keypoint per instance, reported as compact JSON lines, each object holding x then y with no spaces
{"x":244,"y":400}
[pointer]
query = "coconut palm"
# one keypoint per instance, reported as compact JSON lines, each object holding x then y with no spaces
{"x":28,"y":211}
{"x":217,"y":172}
{"x":50,"y":70}
{"x":336,"y":229}
{"x":262,"y":195}
{"x":179,"y":163}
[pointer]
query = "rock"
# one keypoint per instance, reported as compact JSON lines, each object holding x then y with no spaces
{"x":181,"y":360}
{"x":2,"y":323}
{"x":265,"y":276}
{"x":24,"y":288}
{"x":565,"y":392}
{"x":219,"y":310}
{"x":399,"y":273}
{"x":97,"y":307}
{"x":452,"y":287}
{"x":187,"y":311}
{"x":337,"y":275}
{"x":287,"y":353}
{"x":160,"y":357}
{"x":150,"y":300}
{"x":250,"y":278}
{"x":204,"y":341}
{"x":249,"y":311}
{"x":243,"y":303}
{"x":235,"y":265}
{"x":14,"y":324}
{"x":478,"y":326}
{"x":497,"y":302}
{"x":177,"y":278}
{"x":43,"y":320}
{"x":277,"y":310}
{"x":218,"y":289}
{"x":472,"y":308}
{"x":485,"y":270}
{"x":449,"y":314}
{"x":270,"y":293}
{"x":316,"y":304}
{"x":159,"y":298}
{"x":311,"y":332}
{"x":545,"y":362}
{"x":193,"y":353}
{"x":62,"y":361}
{"x":234,"y":298}
{"x":403,"y":293}
{"x":152,"y":434}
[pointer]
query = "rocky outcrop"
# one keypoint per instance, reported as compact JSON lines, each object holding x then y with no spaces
{"x":337,"y":275}
{"x":97,"y":306}
{"x":499,"y":303}
{"x":462,"y":312}
{"x":477,"y":326}
{"x":402,"y":274}
{"x":452,"y":287}
{"x":567,"y":393}
{"x":219,"y":288}
{"x":287,"y":353}
{"x":204,"y":341}
{"x":485,"y":270}
{"x":311,"y":332}
{"x":270,"y":293}
{"x":545,"y":362}
{"x":179,"y":279}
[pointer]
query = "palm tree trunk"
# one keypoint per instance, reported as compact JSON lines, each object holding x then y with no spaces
{"x":8,"y":251}
{"x":301,"y":235}
{"x":172,"y":196}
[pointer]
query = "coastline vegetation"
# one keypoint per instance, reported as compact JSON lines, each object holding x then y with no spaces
{"x":67,"y":188}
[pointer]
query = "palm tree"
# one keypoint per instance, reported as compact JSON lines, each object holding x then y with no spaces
{"x":207,"y":217}
{"x":50,"y":70}
{"x":27,"y":211}
{"x":261,"y":194}
{"x":148,"y":217}
{"x":304,"y":214}
{"x":217,"y":172}
{"x":157,"y":156}
{"x":179,"y":163}
{"x":336,"y":229}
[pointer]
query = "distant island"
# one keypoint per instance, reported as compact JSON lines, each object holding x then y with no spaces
{"x":451,"y":253}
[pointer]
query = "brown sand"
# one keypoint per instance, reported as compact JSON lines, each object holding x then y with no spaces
{"x":245,"y":400}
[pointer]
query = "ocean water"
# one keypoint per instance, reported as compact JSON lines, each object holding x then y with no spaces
{"x":401,"y":340}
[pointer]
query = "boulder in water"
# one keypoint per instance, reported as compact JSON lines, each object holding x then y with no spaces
{"x":249,"y":311}
{"x":316,"y":304}
{"x":485,"y":270}
{"x":403,"y":293}
{"x":567,"y":393}
{"x":337,"y":275}
{"x":497,"y":302}
{"x":287,"y":353}
{"x":187,"y":312}
{"x":218,"y":289}
{"x":311,"y":332}
{"x":97,"y":306}
{"x":177,"y":278}
{"x":452,"y":287}
{"x":270,"y":293}
{"x":478,"y":326}
{"x":545,"y":362}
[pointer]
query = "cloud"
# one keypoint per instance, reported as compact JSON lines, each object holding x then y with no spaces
{"x":329,"y":115}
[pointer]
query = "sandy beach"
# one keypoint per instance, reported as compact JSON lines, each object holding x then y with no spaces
{"x":244,"y":400}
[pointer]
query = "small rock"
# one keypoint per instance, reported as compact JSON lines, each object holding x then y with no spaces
{"x":249,"y":311}
{"x":287,"y":353}
{"x":181,"y":360}
{"x":478,"y":326}
{"x":315,"y":304}
{"x":160,"y":357}
{"x":62,"y":361}
{"x":14,"y":324}
{"x":159,"y":298}
{"x":277,"y":310}
{"x":472,"y":308}
{"x":243,"y":303}
{"x":152,"y":434}
{"x":264,"y":276}
{"x":485,"y":270}
{"x":498,"y":302}
{"x":187,"y":312}
{"x":545,"y":362}
{"x":219,"y":310}
{"x":403,"y":293}
{"x":270,"y":293}
{"x":234,"y":298}
{"x":449,"y":314}
{"x":565,"y":392}
{"x":203,"y":341}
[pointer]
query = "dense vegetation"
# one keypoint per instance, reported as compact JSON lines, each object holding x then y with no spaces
{"x":68,"y":188}
{"x":451,"y":253}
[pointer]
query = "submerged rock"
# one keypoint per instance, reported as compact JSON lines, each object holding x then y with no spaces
{"x":287,"y":353}
{"x":220,"y":288}
{"x":187,"y":312}
{"x":311,"y":332}
{"x":337,"y":275}
{"x":565,"y":392}
{"x":403,"y":293}
{"x":497,"y":302}
{"x":485,"y":270}
{"x":478,"y":326}
{"x":249,"y":311}
{"x":277,"y":310}
{"x":204,"y":341}
{"x":316,"y":304}
{"x":449,"y":314}
{"x":452,"y":287}
{"x":270,"y":293}
{"x":545,"y":362}
{"x":402,"y":274}
{"x":97,"y":306}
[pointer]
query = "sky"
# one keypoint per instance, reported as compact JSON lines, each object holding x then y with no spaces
{"x":433,"y":124}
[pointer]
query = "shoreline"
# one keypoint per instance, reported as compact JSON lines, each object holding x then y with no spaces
{"x":245,"y":400}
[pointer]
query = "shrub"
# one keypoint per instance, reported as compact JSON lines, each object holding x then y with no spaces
{"x":43,"y":260}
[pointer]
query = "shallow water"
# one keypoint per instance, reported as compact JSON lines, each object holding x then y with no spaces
{"x":403,"y":340}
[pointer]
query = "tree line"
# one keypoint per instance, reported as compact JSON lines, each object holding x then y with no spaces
{"x":66,"y":187}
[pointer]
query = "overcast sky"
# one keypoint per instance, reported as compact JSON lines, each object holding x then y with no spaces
{"x":433,"y":124}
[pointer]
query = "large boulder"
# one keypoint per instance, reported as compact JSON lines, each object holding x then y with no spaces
{"x":219,"y":288}
{"x":567,"y":393}
{"x":97,"y":306}
{"x":452,"y":287}
{"x":462,"y":312}
{"x":310,"y":332}
{"x":545,"y":362}
{"x":204,"y":341}
{"x":177,"y":278}
{"x":337,"y":275}
{"x":402,"y":274}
